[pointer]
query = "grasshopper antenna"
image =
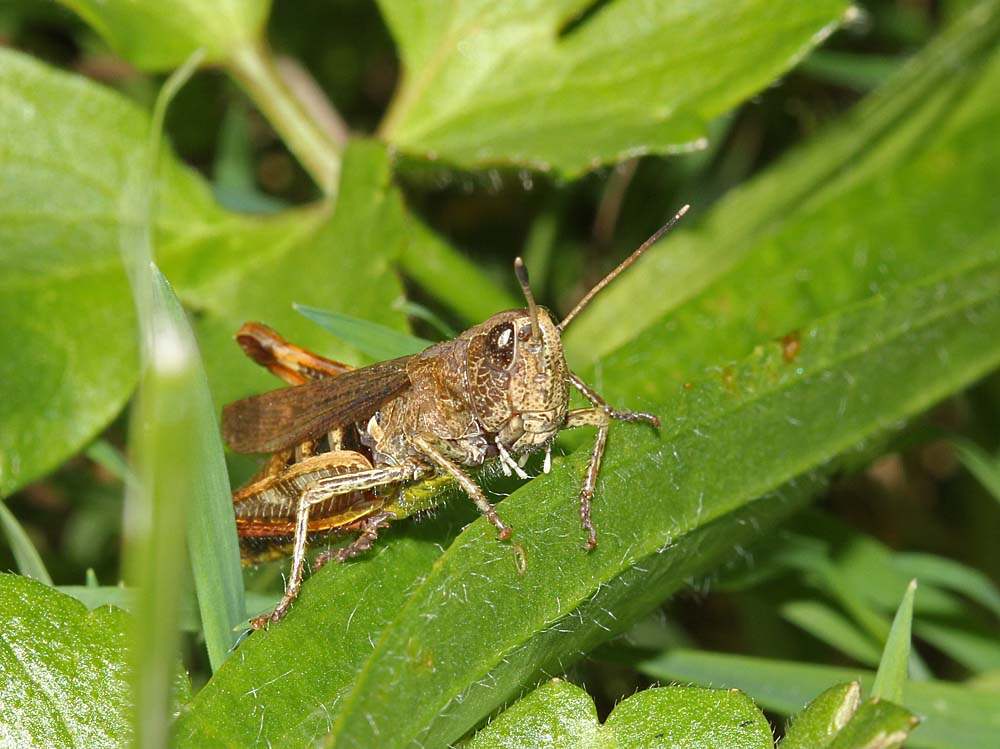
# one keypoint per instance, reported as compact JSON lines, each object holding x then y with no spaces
{"x":617,"y":271}
{"x":522,"y":278}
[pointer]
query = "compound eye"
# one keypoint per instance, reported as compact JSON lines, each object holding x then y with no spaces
{"x":500,"y":345}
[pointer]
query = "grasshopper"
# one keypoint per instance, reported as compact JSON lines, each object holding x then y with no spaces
{"x":343,"y":441}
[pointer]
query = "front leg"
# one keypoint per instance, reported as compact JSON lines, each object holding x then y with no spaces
{"x":428,"y":450}
{"x":599,"y":416}
{"x":590,"y":417}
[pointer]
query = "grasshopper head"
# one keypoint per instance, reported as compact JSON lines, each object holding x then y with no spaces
{"x":517,"y":377}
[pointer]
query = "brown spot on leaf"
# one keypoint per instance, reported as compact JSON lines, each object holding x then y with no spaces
{"x":790,"y":346}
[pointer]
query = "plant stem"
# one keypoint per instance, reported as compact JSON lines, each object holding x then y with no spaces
{"x":253,"y":67}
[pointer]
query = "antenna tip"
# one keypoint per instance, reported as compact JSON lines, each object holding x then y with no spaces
{"x":520,"y":271}
{"x":683,"y":210}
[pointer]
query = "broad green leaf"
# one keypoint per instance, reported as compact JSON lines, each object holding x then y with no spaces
{"x":65,"y":679}
{"x":452,"y":277}
{"x":559,"y":714}
{"x":878,"y":724}
{"x":766,"y":241}
{"x":748,"y":441}
{"x":68,"y":345}
{"x":565,"y":601}
{"x":574,"y":84}
{"x":955,"y":716}
{"x":823,"y":718}
{"x":161,"y":35}
{"x":890,"y":680}
{"x":67,"y":353}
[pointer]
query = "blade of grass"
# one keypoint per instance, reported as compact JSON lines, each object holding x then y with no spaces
{"x":829,"y":626}
{"x":890,"y":679}
{"x":95,"y":596}
{"x":947,"y":573}
{"x":109,"y":458}
{"x":178,"y":462}
{"x":29,"y":562}
{"x":980,"y":464}
{"x":370,"y":338}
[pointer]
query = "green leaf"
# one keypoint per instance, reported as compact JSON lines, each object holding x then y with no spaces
{"x":559,"y":714}
{"x":941,"y":572}
{"x":858,"y":71}
{"x":65,"y":679}
{"x":69,"y":352}
{"x":181,"y":479}
{"x":108,"y":457}
{"x":452,"y":277}
{"x":373,"y":340}
{"x":68,"y":355}
{"x":189,"y":620}
{"x":980,"y":464}
{"x":811,"y":232}
{"x":823,"y":718}
{"x":892,"y":670}
{"x":955,"y":716}
{"x":882,"y":335}
{"x":541,"y":620}
{"x":976,"y":648}
{"x":161,"y":35}
{"x":878,"y":724}
{"x":574,"y":84}
{"x":829,"y":626}
{"x":29,"y":562}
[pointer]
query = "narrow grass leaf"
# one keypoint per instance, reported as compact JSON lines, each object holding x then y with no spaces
{"x":949,"y":574}
{"x":890,"y":680}
{"x":189,"y":618}
{"x":29,"y":561}
{"x":980,"y":464}
{"x":108,"y":457}
{"x":373,"y":340}
{"x":829,"y":626}
{"x":172,"y":434}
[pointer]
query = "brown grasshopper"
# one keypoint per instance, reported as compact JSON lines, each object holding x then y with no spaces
{"x":344,"y":441}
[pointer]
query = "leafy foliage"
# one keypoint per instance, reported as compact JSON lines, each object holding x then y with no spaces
{"x":559,"y":714}
{"x":522,"y":83}
{"x":787,"y":335}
